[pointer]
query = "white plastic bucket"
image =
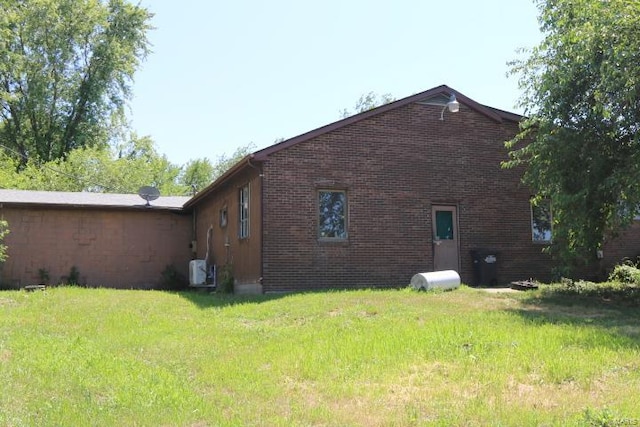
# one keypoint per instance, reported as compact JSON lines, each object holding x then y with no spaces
{"x":446,"y":279}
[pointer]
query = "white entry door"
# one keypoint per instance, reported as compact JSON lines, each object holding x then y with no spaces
{"x":445,"y":238}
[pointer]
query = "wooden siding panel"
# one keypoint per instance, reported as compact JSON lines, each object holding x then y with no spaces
{"x":226,"y":247}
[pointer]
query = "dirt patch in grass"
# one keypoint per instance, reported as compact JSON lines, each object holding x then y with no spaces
{"x":538,"y":395}
{"x":5,"y":302}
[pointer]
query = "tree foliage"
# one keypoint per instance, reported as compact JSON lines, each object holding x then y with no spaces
{"x":581,"y":142}
{"x":100,"y":169}
{"x":225,"y":161}
{"x":367,"y":102}
{"x":65,"y":71}
{"x":199,"y":173}
{"x":66,"y":67}
{"x":120,"y":169}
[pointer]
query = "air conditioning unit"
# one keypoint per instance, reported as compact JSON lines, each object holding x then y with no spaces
{"x":197,"y":272}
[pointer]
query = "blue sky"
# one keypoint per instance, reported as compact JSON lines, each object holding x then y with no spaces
{"x":224,"y":74}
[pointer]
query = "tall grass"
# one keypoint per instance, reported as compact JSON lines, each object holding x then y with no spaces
{"x":72,"y":356}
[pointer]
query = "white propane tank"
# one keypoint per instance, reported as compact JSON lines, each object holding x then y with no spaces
{"x":446,"y":279}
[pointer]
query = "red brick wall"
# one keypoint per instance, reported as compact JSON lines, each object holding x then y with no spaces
{"x":394,"y":167}
{"x":627,"y":245}
{"x":112,"y":248}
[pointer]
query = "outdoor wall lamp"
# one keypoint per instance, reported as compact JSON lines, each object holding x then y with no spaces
{"x":453,"y":105}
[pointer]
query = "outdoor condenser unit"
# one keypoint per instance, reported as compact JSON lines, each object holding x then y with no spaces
{"x":197,"y":272}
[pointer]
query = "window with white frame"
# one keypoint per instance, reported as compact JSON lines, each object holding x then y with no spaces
{"x":243,"y":209}
{"x":332,"y":214}
{"x":541,"y":220}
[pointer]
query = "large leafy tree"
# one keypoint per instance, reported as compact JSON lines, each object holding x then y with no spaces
{"x":581,"y":142}
{"x":65,"y":72}
{"x":123,"y":168}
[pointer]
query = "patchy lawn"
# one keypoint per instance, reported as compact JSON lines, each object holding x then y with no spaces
{"x":71,"y":356}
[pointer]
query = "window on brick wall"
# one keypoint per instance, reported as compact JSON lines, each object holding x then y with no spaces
{"x":541,"y":221}
{"x":243,"y":209}
{"x":223,"y":217}
{"x":332,"y":214}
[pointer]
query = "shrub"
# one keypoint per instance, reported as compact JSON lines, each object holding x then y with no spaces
{"x":172,"y":279}
{"x":73,"y":278}
{"x":43,"y":275}
{"x":625,"y":273}
{"x":225,"y":279}
{"x":613,"y":291}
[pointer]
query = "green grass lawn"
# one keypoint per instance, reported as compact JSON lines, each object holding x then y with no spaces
{"x":74,"y":356}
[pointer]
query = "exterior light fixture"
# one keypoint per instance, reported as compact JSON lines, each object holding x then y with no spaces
{"x":453,"y":105}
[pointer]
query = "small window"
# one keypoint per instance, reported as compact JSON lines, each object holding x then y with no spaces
{"x":332,"y":214}
{"x":243,"y":223}
{"x":541,"y":221}
{"x":223,"y":217}
{"x":444,"y":225}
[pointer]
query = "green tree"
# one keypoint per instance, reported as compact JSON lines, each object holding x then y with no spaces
{"x":224,"y":162}
{"x":140,"y":158}
{"x":580,"y":144}
{"x":101,"y":169}
{"x":197,"y":174}
{"x":120,"y":169}
{"x":65,"y":72}
{"x":368,"y":102}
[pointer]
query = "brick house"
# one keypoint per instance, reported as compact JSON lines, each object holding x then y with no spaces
{"x":111,"y":240}
{"x":374,"y":198}
{"x":367,"y":201}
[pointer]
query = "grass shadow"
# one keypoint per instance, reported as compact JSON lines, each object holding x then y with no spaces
{"x":206,"y":300}
{"x":610,"y":311}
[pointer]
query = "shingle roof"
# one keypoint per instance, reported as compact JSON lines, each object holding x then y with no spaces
{"x":85,"y":199}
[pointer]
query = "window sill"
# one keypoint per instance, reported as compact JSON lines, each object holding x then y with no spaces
{"x":333,"y":242}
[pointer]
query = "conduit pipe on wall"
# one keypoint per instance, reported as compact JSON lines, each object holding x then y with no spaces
{"x":209,"y":238}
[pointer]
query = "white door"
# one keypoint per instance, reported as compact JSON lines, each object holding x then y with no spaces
{"x":445,"y":238}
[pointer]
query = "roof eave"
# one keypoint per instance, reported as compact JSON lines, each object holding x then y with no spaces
{"x":89,"y":206}
{"x":222,"y":179}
